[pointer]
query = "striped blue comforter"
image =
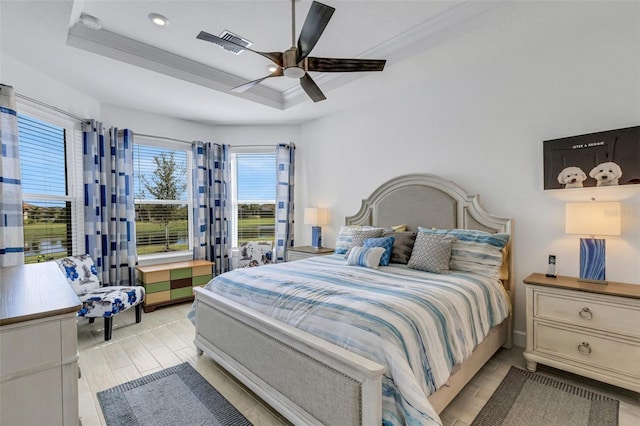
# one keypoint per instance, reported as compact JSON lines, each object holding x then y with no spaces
{"x":417,"y":324}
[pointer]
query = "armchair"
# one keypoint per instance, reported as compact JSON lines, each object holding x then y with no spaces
{"x":98,"y":301}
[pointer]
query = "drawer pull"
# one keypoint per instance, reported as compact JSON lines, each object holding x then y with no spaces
{"x":585,"y":313}
{"x":584,"y":348}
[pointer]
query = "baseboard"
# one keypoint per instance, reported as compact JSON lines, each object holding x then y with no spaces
{"x":519,"y":339}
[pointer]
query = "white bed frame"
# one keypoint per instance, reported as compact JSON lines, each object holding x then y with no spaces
{"x":311,"y":381}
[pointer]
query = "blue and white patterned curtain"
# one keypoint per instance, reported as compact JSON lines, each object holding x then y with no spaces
{"x":110,"y":235}
{"x":11,"y":235}
{"x":211,"y":204}
{"x":285,"y":163}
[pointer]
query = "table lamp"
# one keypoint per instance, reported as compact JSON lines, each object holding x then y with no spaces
{"x":593,"y":218}
{"x":316,"y":216}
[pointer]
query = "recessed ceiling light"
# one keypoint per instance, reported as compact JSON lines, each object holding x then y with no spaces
{"x":158,"y":19}
{"x":90,"y":21}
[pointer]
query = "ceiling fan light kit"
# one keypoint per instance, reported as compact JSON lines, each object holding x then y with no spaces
{"x":295,"y":62}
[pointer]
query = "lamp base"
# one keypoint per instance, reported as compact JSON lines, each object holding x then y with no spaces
{"x":592,"y":260}
{"x":316,"y":237}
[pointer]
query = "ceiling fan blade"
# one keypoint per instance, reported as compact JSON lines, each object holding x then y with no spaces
{"x":246,"y":86}
{"x":276,"y":57}
{"x":315,"y":23}
{"x":312,"y":88}
{"x":344,"y":65}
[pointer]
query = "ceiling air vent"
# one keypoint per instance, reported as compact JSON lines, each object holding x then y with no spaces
{"x":235,"y":38}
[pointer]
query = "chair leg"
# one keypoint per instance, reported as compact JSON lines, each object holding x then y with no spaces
{"x":139,"y":312}
{"x":108,"y":327}
{"x":91,"y":320}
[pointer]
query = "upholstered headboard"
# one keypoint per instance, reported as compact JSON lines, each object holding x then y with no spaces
{"x":428,"y":201}
{"x":432,"y":202}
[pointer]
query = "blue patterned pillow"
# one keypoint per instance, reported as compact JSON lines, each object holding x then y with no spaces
{"x":344,"y":241}
{"x":475,"y":251}
{"x":367,"y":257}
{"x":386,"y":243}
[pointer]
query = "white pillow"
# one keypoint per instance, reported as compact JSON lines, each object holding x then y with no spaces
{"x":368,"y":257}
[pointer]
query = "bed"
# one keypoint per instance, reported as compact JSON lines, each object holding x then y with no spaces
{"x":305,"y":371}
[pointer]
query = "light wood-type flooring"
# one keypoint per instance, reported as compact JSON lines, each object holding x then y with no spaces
{"x":165,"y":338}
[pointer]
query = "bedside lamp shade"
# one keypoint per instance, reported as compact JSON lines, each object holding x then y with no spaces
{"x":316,"y":216}
{"x":592,"y":219}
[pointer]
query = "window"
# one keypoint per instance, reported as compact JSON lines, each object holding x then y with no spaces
{"x":162,"y":199}
{"x":50,"y":203}
{"x":253,"y":196}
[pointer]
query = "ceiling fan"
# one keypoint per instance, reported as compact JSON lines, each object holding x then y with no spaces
{"x":295,"y":62}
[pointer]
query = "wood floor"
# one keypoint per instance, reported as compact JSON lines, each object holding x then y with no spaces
{"x":165,"y":338}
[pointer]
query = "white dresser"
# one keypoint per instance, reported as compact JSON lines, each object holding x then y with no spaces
{"x":38,"y":347}
{"x":587,"y":329}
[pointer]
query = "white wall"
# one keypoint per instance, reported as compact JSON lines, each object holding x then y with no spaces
{"x":37,"y":85}
{"x":477,"y":114}
{"x":156,"y":125}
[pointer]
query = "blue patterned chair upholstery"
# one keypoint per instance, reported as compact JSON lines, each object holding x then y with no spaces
{"x":98,"y":301}
{"x":255,"y":253}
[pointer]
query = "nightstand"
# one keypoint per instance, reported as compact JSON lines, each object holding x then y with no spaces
{"x":302,"y":252}
{"x":587,"y":329}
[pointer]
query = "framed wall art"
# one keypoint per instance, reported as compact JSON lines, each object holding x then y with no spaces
{"x":607,"y":158}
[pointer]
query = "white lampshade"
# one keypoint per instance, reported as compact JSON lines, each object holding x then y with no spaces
{"x":316,"y":216}
{"x":593,"y":218}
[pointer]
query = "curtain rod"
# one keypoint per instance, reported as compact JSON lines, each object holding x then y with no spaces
{"x":85,"y":120}
{"x":191,"y":142}
{"x":162,"y":137}
{"x":68,"y":114}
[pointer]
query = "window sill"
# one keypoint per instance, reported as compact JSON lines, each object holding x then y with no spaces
{"x":157,"y":258}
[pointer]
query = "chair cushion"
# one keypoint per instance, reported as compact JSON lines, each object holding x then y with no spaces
{"x":108,"y":301}
{"x":80,"y":272}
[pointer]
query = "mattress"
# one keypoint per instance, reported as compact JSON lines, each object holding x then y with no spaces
{"x":419,"y":325}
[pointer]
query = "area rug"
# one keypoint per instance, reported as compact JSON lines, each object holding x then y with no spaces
{"x":177,"y":395}
{"x":525,"y":398}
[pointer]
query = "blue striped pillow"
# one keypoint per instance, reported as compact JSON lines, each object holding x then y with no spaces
{"x":367,"y":257}
{"x":386,"y":243}
{"x":475,"y":251}
{"x":344,"y":240}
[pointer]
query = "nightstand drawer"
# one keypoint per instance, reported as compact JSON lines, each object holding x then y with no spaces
{"x":589,"y":349}
{"x":609,"y":314}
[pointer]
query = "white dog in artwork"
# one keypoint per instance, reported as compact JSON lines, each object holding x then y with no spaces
{"x":606,"y":174}
{"x":572,"y":177}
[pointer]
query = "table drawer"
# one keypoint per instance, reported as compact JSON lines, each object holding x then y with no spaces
{"x":156,"y":287}
{"x":201,"y":280}
{"x":180,"y":273}
{"x":611,"y":314}
{"x":181,"y":292}
{"x":590,"y":349}
{"x":27,"y":348}
{"x":155,"y":276}
{"x":161,"y":296}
